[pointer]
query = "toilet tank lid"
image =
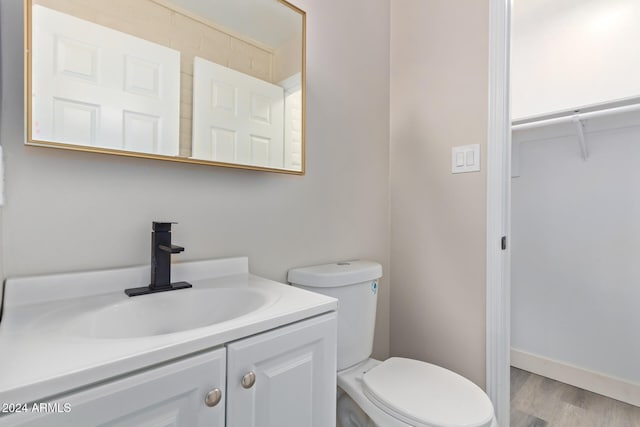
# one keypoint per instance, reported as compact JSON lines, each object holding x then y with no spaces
{"x":335,"y":274}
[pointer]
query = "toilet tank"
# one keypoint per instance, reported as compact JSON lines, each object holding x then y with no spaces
{"x":355,"y":285}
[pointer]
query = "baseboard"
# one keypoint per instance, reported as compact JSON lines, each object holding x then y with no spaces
{"x":596,"y":382}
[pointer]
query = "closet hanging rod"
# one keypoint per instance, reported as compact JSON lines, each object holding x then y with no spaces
{"x":577,"y":115}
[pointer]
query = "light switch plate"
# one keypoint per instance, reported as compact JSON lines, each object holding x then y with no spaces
{"x":470,"y":154}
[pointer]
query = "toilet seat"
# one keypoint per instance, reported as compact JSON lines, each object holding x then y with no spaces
{"x":422,"y":394}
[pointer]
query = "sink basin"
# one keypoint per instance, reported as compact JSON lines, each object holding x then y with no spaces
{"x":167,"y":312}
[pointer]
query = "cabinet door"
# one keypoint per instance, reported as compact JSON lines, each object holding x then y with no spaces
{"x":168,"y":396}
{"x":295,"y":376}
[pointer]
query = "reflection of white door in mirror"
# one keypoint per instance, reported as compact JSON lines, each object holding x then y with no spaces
{"x":292,"y":122}
{"x":117,"y":77}
{"x":236,"y":118}
{"x":100,"y":87}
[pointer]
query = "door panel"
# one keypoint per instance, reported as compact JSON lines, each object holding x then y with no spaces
{"x":89,"y":81}
{"x":295,"y":376}
{"x":244,"y":112}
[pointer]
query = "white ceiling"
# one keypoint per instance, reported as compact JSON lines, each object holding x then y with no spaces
{"x":266,"y":21}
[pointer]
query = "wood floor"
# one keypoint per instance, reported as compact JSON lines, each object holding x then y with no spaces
{"x":541,"y":402}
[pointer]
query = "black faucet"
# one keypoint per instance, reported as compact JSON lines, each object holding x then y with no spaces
{"x":161,"y":250}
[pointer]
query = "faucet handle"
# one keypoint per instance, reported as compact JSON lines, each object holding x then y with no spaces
{"x":173,"y":249}
{"x":162,"y":226}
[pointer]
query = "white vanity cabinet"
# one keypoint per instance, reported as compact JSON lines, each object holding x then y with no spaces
{"x":285,"y":377}
{"x":170,"y":395}
{"x":89,"y":355}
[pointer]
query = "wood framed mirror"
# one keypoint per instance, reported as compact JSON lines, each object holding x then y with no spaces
{"x":217,"y":82}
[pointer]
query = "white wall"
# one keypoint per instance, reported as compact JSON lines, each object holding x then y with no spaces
{"x":571,"y":53}
{"x":69,"y":211}
{"x":575,"y":230}
{"x":576,"y":243}
{"x":439,"y":93}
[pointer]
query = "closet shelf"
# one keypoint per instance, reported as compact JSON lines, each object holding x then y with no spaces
{"x":578,"y":118}
{"x":578,"y":114}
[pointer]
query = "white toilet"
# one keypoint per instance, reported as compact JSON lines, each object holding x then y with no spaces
{"x":397,"y":392}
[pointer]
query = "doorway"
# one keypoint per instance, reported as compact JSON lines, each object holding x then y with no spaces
{"x":574,"y":230}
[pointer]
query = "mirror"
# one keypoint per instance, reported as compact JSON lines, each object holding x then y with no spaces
{"x":218,"y":82}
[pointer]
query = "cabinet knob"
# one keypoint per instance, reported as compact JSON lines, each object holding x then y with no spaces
{"x":249,"y":380}
{"x":213,"y":397}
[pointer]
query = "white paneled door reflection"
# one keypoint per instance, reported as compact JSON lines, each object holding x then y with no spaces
{"x":236,"y":118}
{"x":293,"y":122}
{"x":95,"y":86}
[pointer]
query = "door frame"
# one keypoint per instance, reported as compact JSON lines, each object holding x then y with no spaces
{"x":498,"y":303}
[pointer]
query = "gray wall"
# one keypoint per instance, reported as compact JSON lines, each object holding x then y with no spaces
{"x":68,"y":211}
{"x":439,"y":99}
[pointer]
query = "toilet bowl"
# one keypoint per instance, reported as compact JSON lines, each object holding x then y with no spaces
{"x":397,"y":392}
{"x":404,"y":392}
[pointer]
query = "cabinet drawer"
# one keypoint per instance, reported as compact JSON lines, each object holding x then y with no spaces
{"x":171,"y":395}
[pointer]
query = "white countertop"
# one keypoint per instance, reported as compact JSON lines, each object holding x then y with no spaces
{"x":39,"y":358}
